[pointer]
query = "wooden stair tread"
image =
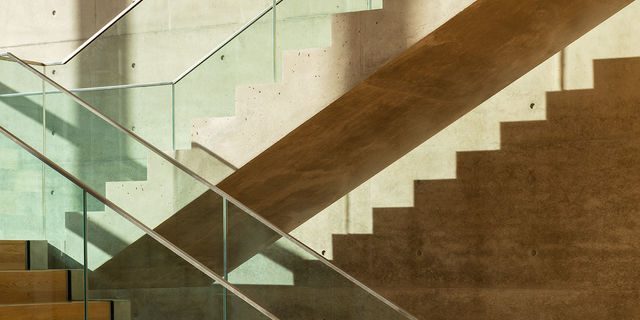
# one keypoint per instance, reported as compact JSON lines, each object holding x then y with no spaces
{"x":34,"y":286}
{"x":97,"y":310}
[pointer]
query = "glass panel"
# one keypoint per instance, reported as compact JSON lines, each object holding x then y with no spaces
{"x":290,"y":282}
{"x":104,"y":158}
{"x":305,"y":8}
{"x":21,"y":190}
{"x":209,"y":90}
{"x":151,"y":282}
{"x":156,"y":41}
{"x":50,"y":242}
{"x":144,"y":281}
{"x":145,"y":110}
{"x":275,"y":271}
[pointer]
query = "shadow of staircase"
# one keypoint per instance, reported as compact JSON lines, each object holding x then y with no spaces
{"x":545,"y":228}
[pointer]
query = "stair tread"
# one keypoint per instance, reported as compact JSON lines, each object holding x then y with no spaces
{"x":70,"y":310}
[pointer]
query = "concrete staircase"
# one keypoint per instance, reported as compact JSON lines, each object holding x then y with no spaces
{"x":545,"y":227}
{"x":29,"y":293}
{"x":164,"y":195}
{"x":301,"y":24}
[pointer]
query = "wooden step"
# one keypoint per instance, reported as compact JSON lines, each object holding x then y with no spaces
{"x":34,"y":286}
{"x":13,"y":255}
{"x":97,"y":310}
{"x":23,"y":255}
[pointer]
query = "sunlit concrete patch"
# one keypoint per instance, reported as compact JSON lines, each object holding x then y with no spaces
{"x":261,"y":270}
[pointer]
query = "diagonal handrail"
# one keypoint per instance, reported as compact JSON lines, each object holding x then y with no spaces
{"x":97,"y":34}
{"x":153,"y":234}
{"x":211,"y":186}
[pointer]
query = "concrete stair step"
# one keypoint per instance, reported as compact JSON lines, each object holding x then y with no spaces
{"x":97,"y":310}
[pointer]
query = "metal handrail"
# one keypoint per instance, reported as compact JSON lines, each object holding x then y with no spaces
{"x":212,"y":187}
{"x":156,"y":236}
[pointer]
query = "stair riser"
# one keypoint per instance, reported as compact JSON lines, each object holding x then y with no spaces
{"x":13,"y":255}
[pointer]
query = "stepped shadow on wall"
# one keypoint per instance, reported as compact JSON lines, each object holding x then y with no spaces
{"x":546,"y":227}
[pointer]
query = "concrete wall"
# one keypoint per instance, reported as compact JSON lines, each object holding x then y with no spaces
{"x":311,"y":78}
{"x":49,"y":30}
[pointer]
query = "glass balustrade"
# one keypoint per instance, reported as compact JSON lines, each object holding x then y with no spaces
{"x":155,"y":283}
{"x":179,"y":205}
